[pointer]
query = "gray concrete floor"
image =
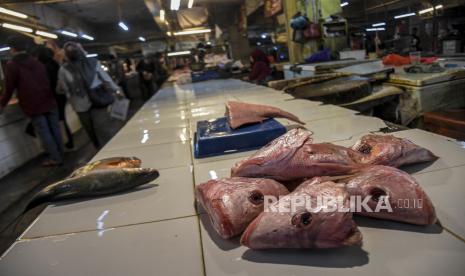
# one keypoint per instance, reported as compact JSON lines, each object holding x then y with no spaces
{"x":15,"y":186}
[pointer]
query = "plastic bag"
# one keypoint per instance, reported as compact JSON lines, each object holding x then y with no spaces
{"x":119,"y":109}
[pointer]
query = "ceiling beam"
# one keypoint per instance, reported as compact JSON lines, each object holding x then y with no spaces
{"x":6,"y":2}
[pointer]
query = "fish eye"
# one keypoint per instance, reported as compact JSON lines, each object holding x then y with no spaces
{"x":365,"y":148}
{"x":302,"y":219}
{"x":376,"y":193}
{"x":256,"y":197}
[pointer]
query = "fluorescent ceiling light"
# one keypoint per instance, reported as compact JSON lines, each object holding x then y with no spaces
{"x":379,"y":24}
{"x":188,"y":32}
{"x":404,"y":15}
{"x":430,"y":9}
{"x":426,"y":10}
{"x":17,"y":28}
{"x":169,"y":33}
{"x":88,"y":37}
{"x":175,"y":4}
{"x":172,"y":54}
{"x":190,"y":4}
{"x":123,"y":26}
{"x":141,"y":38}
{"x":91,"y":55}
{"x":343,"y":4}
{"x":69,"y":34}
{"x":375,"y":29}
{"x":4,"y":49}
{"x":46,"y":34}
{"x":162,"y":15}
{"x":13,"y":13}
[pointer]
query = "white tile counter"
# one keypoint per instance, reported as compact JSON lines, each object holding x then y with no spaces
{"x":150,"y":203}
{"x":154,"y":230}
{"x":391,"y":249}
{"x":446,"y":188}
{"x":171,"y":247}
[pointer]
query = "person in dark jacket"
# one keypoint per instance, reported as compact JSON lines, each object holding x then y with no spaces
{"x":261,"y":70}
{"x":46,"y":57}
{"x":161,"y":74}
{"x":28,"y":77}
{"x":146,"y":69}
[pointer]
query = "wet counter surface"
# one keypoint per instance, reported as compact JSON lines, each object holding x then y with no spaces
{"x":155,"y":229}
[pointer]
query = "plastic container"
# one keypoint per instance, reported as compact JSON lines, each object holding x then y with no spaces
{"x":215,"y":137}
{"x":204,"y":76}
{"x":356,"y":54}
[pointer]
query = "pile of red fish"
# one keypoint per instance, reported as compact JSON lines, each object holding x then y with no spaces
{"x":237,"y":205}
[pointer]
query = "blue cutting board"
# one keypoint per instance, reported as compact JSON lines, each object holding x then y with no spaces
{"x":216,"y":137}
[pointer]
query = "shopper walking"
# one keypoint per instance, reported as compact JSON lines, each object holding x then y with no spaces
{"x":161,"y":74}
{"x":90,"y":90}
{"x":28,"y":77}
{"x":46,"y":57}
{"x":146,"y":69}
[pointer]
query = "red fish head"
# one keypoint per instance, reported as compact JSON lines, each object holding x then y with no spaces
{"x":232,"y":203}
{"x":293,"y":157}
{"x":301,"y":227}
{"x":270,"y":156}
{"x":330,"y":153}
{"x":403,"y":199}
{"x":391,"y":151}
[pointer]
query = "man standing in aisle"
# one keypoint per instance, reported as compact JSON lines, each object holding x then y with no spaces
{"x":146,"y":69}
{"x":28,"y":78}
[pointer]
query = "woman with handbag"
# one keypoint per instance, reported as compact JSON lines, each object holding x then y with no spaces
{"x":89,"y":89}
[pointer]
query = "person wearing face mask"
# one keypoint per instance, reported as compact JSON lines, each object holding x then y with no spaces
{"x":78,"y":77}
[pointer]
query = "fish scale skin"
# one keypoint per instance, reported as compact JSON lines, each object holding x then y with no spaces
{"x":389,"y":150}
{"x":98,"y":183}
{"x":293,"y":156}
{"x":240,"y":113}
{"x":399,"y":186}
{"x":227,"y":205}
{"x":326,"y":229}
{"x":108,"y":163}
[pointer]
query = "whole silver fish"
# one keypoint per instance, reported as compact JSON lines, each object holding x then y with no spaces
{"x":94,"y":183}
{"x":109,"y":163}
{"x":97,"y":183}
